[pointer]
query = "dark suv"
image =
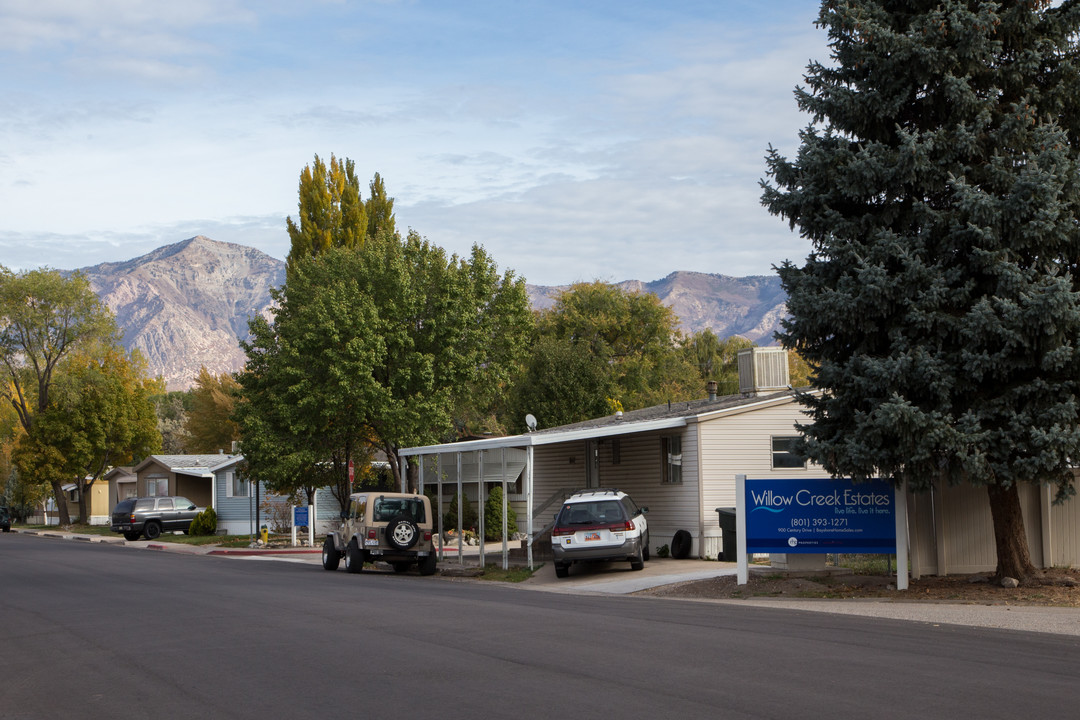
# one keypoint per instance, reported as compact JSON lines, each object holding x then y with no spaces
{"x":150,"y":516}
{"x":5,"y":519}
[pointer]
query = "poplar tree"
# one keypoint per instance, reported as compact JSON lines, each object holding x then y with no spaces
{"x":939,"y":307}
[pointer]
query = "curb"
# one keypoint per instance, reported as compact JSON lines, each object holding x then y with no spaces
{"x":253,"y":552}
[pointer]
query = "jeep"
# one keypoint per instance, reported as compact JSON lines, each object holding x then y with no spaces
{"x":395,"y":528}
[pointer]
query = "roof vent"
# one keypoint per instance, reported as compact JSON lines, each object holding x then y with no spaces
{"x":763,"y":369}
{"x":710,"y":387}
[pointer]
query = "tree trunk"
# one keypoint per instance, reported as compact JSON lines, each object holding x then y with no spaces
{"x":84,"y":516}
{"x":1013,"y":558}
{"x":61,"y":503}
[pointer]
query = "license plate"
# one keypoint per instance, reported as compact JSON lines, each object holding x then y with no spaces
{"x":371,"y":542}
{"x":591,"y":536}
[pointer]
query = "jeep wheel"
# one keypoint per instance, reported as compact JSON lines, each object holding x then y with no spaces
{"x":400,"y":567}
{"x":402,"y":532}
{"x":152,"y":531}
{"x":354,"y":557}
{"x":561,"y":570}
{"x":330,"y":554}
{"x":427,"y":564}
{"x":131,"y":536}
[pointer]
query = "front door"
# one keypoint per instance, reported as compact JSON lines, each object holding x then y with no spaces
{"x":592,"y":464}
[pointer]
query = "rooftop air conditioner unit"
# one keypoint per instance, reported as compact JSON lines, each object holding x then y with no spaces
{"x":763,"y":369}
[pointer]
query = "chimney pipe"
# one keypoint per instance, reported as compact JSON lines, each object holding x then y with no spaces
{"x":710,"y":387}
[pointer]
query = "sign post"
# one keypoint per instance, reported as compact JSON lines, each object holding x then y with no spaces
{"x":301,"y":517}
{"x":820,"y":515}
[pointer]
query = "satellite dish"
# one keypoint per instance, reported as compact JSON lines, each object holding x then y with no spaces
{"x":530,"y":421}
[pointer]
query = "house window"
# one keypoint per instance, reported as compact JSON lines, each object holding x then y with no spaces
{"x":157,"y":486}
{"x":784,"y":455}
{"x":671,"y":456}
{"x":236,"y":485}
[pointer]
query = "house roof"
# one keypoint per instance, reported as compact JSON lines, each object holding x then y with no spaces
{"x":658,"y":417}
{"x":201,"y":465}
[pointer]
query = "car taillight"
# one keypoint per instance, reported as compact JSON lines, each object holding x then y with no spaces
{"x":621,"y":526}
{"x":556,"y":531}
{"x":371,"y":534}
{"x":427,"y":535}
{"x":132,"y":517}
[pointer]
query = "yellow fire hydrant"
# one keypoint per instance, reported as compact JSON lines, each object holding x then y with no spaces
{"x":263,"y":534}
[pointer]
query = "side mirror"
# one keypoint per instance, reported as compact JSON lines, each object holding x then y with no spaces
{"x":644,"y":510}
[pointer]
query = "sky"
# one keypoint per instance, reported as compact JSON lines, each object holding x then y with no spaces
{"x":575,"y":141}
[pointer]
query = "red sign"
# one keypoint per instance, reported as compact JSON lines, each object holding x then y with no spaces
{"x":352,"y":473}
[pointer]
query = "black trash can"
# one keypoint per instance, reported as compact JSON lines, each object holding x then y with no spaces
{"x":727,"y":525}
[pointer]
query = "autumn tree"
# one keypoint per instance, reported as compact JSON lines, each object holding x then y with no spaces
{"x":332,"y":212}
{"x":939,"y":308}
{"x":99,"y":415}
{"x":210,"y":426}
{"x":630,"y":337}
{"x":716,"y":359}
{"x":44,"y":317}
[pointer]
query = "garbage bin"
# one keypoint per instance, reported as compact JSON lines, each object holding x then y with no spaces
{"x":726,"y":518}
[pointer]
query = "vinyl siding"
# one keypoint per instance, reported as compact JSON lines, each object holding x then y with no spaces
{"x":741,"y":444}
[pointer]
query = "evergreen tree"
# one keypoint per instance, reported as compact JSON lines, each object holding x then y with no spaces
{"x":939,"y":307}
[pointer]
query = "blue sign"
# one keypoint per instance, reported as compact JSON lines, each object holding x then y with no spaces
{"x":813,"y":515}
{"x":300,"y":516}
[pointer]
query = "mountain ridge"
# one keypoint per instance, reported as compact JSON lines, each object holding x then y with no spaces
{"x":187,"y":305}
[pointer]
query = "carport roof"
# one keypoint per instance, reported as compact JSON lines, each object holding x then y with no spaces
{"x":658,"y":417}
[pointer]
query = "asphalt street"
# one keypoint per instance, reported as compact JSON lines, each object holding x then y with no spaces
{"x":98,"y":631}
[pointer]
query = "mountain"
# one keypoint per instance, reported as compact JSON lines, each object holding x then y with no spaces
{"x":748,"y":306}
{"x":188,"y":304}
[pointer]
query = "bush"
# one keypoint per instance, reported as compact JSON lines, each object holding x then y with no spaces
{"x":493,"y":516}
{"x":205,"y":523}
{"x":468,"y":515}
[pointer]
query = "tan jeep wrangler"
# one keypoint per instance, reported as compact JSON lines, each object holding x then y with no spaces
{"x":392,"y":527}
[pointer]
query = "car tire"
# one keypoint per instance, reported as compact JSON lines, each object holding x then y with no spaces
{"x":331,"y":556}
{"x":400,"y":567}
{"x":354,"y":557}
{"x":152,"y":531}
{"x":402,"y":533}
{"x":638,"y":563}
{"x":427,"y":564}
{"x":561,"y":570}
{"x":131,"y":536}
{"x":645,"y":549}
{"x":680,"y":545}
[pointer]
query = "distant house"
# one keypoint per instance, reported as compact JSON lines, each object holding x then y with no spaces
{"x":97,"y":503}
{"x":121,"y":482}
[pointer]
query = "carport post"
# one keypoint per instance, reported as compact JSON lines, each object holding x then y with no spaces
{"x":480,"y":502}
{"x":529,"y":502}
{"x":420,"y":482}
{"x":460,"y":530}
{"x":506,"y":550}
{"x":438,"y":485}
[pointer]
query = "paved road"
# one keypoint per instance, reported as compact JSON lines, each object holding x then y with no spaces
{"x":94,"y":631}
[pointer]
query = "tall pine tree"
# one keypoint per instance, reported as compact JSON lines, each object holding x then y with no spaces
{"x":939,"y":307}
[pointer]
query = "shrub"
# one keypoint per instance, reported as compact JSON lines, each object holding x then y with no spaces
{"x":493,"y":516}
{"x":468,"y":515}
{"x":205,"y":523}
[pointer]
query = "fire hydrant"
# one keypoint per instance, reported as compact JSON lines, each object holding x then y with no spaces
{"x":263,"y":534}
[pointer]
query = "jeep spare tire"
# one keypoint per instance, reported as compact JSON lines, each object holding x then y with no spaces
{"x":402,"y":532}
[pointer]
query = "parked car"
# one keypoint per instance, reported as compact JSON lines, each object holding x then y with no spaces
{"x":151,"y":516}
{"x":600,"y":524}
{"x":5,"y":519}
{"x":392,"y":527}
